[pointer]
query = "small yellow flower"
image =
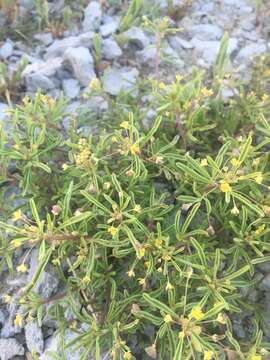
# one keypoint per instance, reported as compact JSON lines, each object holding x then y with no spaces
{"x":130,"y":273}
{"x":178,"y":77}
{"x":22,"y":300}
{"x":259,"y":179}
{"x":206,"y":92}
{"x":225,"y":187}
{"x":204,"y":162}
{"x":134,"y":149}
{"x":22,"y":268}
{"x":56,"y":262}
{"x":112,"y":230}
{"x":235,"y":162}
{"x":18,"y":320}
{"x":114,"y":139}
{"x":158,"y":243}
{"x":7,"y":298}
{"x":181,"y":335}
{"x":221,"y":318}
{"x":265,"y":97}
{"x":86,"y":280}
{"x":125,"y":125}
{"x":130,"y":172}
{"x":142,"y":281}
{"x":141,"y":252}
{"x":137,"y":208}
{"x":17,"y":215}
{"x":208,"y":355}
{"x":197,"y":313}
{"x":16,"y":243}
{"x":127,"y":355}
{"x":162,"y":86}
{"x":256,"y":357}
{"x":168,"y":319}
{"x":94,"y":84}
{"x":29,"y":318}
{"x":65,"y":166}
{"x":235,"y":210}
{"x":260,"y":229}
{"x":107,"y":185}
{"x":166,"y":257}
{"x":159,"y":269}
{"x":169,"y":286}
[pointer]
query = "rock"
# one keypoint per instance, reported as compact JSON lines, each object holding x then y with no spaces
{"x":34,"y":337}
{"x":9,"y":329}
{"x":58,"y":47}
{"x":110,"y":49}
{"x":3,"y":114}
{"x":147,"y":56}
{"x":45,"y":38}
{"x":6,"y":50}
{"x":207,"y":32}
{"x":10,"y":348}
{"x":136,"y":36}
{"x":264,"y":284}
{"x":171,"y":57}
{"x":178,"y":44}
{"x":250,"y":51}
{"x":115,"y":80}
{"x":38,"y":81}
{"x":264,"y":267}
{"x":92,"y":16}
{"x":81,"y":62}
{"x":47,"y":68}
{"x":109,"y":27}
{"x":71,"y":88}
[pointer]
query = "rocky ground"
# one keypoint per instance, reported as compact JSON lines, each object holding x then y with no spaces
{"x":67,"y":65}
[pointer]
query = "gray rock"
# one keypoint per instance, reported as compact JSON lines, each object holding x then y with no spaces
{"x":264,"y":267}
{"x":147,"y":56}
{"x":92,"y":16}
{"x":81,"y":62}
{"x":47,"y":68}
{"x":170,"y":56}
{"x":109,"y":27}
{"x":58,"y":47}
{"x":6,"y":50}
{"x":34,"y":337}
{"x":110,"y":49}
{"x":116,"y":80}
{"x":9,"y":329}
{"x":3,"y":113}
{"x":45,"y":38}
{"x":71,"y":88}
{"x":136,"y":36}
{"x":250,"y":51}
{"x":10,"y":348}
{"x":178,"y":44}
{"x":207,"y":32}
{"x":38,"y":81}
{"x":264,"y":284}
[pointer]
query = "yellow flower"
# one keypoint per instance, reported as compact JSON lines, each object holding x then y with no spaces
{"x":265,"y":97}
{"x":130,"y":172}
{"x":206,"y":92}
{"x":94,"y":84}
{"x":127,"y":355}
{"x":197,"y":313}
{"x":86,"y":280}
{"x":65,"y":166}
{"x":141,"y":252}
{"x":235,"y":211}
{"x":142,"y":281}
{"x":168,"y":319}
{"x":107,"y":185}
{"x":137,"y":208}
{"x":260,"y":229}
{"x":162,"y":86}
{"x":56,"y":262}
{"x":259,"y":179}
{"x":225,"y":187}
{"x":114,"y":139}
{"x":125,"y":125}
{"x":21,"y":268}
{"x":22,"y":300}
{"x":159,"y":269}
{"x":178,"y":77}
{"x":158,"y":243}
{"x":256,"y":357}
{"x":204,"y":162}
{"x":208,"y":355}
{"x":221,"y":318}
{"x":16,"y":243}
{"x":235,"y":162}
{"x":17,"y":215}
{"x":134,"y":149}
{"x":130,"y":273}
{"x":112,"y":230}
{"x":29,"y":318}
{"x":181,"y":335}
{"x":18,"y":320}
{"x":7,"y":298}
{"x":169,"y":286}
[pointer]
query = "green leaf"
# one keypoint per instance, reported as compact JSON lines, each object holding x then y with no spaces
{"x":159,"y":305}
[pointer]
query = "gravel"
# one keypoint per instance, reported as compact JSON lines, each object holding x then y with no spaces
{"x":10,"y":348}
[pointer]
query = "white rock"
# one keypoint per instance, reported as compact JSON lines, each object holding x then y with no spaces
{"x":10,"y":348}
{"x":45,"y":38}
{"x":147,"y":56}
{"x":34,"y":337}
{"x":47,"y":68}
{"x":136,"y":36}
{"x":109,"y":27}
{"x":38,"y":81}
{"x":264,"y":284}
{"x":6,"y":50}
{"x":110,"y":49}
{"x":58,"y":47}
{"x":71,"y":88}
{"x":115,"y":80}
{"x":82,"y":64}
{"x":207,"y":32}
{"x":178,"y":44}
{"x":3,"y":112}
{"x":251,"y":50}
{"x":92,"y":16}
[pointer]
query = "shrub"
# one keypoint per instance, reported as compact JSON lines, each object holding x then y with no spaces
{"x":153,"y":234}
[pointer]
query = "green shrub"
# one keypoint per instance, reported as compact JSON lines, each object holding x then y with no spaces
{"x":153,"y":233}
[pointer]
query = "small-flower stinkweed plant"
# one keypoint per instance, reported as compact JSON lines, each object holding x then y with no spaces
{"x":154,"y":234}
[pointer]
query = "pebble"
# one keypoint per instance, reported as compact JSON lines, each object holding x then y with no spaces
{"x":81,"y":62}
{"x":207,"y":32}
{"x":37,"y":81}
{"x":3,"y":112}
{"x":110,"y":49}
{"x":179,"y":44}
{"x":10,"y":348}
{"x":45,"y":38}
{"x":124,"y":79}
{"x":109,"y":26}
{"x":6,"y":50}
{"x":250,"y":51}
{"x":92,"y":16}
{"x":34,"y":337}
{"x":136,"y":36}
{"x":71,"y":88}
